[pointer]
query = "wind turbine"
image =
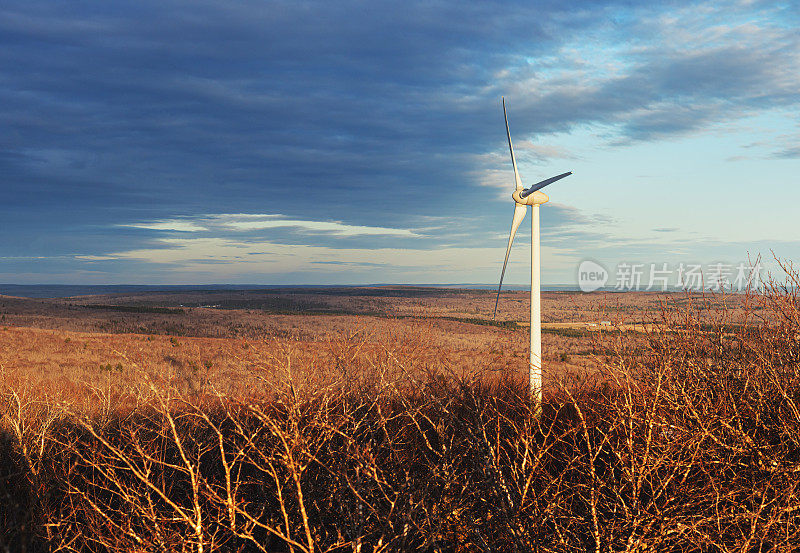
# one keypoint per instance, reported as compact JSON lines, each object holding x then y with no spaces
{"x":524,"y":197}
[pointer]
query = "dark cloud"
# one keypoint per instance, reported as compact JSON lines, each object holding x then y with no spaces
{"x":366,"y":113}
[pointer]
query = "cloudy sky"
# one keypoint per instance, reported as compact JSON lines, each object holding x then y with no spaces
{"x":363,"y":142}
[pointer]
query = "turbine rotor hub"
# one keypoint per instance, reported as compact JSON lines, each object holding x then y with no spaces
{"x":536,"y":198}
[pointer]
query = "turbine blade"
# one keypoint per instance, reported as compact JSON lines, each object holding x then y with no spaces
{"x":519,"y":215}
{"x":542,"y":184}
{"x":511,"y":149}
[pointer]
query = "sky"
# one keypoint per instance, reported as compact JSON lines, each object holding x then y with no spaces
{"x":360,"y":142}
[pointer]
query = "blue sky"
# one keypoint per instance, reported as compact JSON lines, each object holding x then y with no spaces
{"x":363,"y":142}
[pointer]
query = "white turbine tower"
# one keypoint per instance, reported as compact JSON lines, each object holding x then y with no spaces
{"x":524,"y":198}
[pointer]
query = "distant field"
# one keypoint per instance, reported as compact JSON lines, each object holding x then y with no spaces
{"x":200,"y":310}
{"x":88,"y":333}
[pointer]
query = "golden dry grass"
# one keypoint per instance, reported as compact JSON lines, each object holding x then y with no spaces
{"x":54,"y":347}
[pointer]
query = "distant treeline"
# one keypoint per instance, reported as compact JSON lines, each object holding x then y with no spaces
{"x":137,"y":309}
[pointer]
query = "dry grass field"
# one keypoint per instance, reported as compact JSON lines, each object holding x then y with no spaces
{"x":397,"y":419}
{"x":217,"y":339}
{"x":73,"y":349}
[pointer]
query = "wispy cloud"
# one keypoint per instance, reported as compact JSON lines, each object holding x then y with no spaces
{"x":788,"y":153}
{"x":254,"y":222}
{"x":178,"y":225}
{"x":262,"y":221}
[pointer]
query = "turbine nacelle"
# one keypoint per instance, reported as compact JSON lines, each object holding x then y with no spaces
{"x":534,"y":198}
